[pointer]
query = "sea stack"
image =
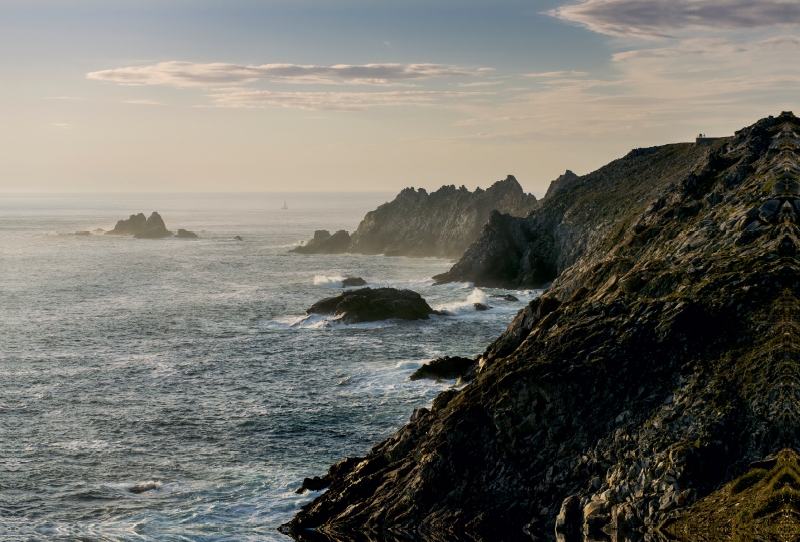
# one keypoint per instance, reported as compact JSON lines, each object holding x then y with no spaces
{"x":651,"y":387}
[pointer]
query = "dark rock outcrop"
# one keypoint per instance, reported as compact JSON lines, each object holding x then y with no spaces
{"x":444,"y":368}
{"x":651,"y":374}
{"x":350,"y":282}
{"x":442,"y":223}
{"x":325,"y":243}
{"x":369,"y":305}
{"x":141,"y":227}
{"x":186,"y":234}
{"x":154,"y":228}
{"x":132,"y":226}
{"x":579,"y":215}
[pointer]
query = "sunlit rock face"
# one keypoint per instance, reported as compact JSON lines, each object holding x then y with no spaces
{"x":630,"y":399}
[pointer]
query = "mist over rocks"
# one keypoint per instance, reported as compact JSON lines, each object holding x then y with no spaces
{"x":660,"y":366}
{"x":418,"y":224}
{"x":370,"y":305}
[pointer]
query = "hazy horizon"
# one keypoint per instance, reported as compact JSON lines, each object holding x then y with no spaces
{"x":265,"y":96}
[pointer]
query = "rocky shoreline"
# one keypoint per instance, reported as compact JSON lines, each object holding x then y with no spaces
{"x":660,"y":366}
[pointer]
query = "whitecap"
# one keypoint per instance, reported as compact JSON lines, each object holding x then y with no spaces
{"x":466,"y":307}
{"x":328,"y":282}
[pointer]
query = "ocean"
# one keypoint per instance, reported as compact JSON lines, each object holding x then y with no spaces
{"x":189,"y":365}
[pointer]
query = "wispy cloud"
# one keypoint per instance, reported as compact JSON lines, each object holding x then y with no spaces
{"x":557,"y":74}
{"x":336,"y":101}
{"x":481,"y":84}
{"x":660,"y":18}
{"x":486,"y":120}
{"x":185,"y":74}
{"x":142,"y":102}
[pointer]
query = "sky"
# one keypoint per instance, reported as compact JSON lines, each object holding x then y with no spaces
{"x":355,"y":95}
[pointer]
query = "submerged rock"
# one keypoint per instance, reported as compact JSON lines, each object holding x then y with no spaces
{"x":655,"y":374}
{"x":325,"y":243}
{"x":186,"y":234}
{"x":481,"y":307}
{"x":445,"y":368}
{"x":507,"y":297}
{"x":369,"y":305}
{"x":238,"y":238}
{"x":143,"y":487}
{"x":353,"y":281}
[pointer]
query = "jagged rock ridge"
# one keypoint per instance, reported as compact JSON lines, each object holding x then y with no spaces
{"x":416,"y":223}
{"x":577,"y":216}
{"x":649,"y":375}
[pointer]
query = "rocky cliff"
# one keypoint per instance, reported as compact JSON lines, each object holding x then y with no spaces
{"x":648,"y":376}
{"x":442,"y":223}
{"x":578,"y":215}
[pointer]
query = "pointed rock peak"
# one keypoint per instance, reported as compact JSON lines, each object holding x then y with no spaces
{"x":560,"y":183}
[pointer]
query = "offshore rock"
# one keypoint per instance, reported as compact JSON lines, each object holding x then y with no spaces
{"x":653,"y":374}
{"x":325,"y":243}
{"x":441,"y":224}
{"x":444,"y":368}
{"x":353,"y":281}
{"x":141,"y":227}
{"x":132,"y":226}
{"x":154,"y":228}
{"x":186,"y":234}
{"x":369,"y":305}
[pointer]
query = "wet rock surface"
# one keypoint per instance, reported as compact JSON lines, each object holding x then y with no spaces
{"x":369,"y":305}
{"x":649,"y":375}
{"x":442,"y":223}
{"x":444,"y":368}
{"x":325,"y":243}
{"x":351,"y":282}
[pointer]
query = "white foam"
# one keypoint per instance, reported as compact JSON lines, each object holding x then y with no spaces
{"x":468,"y":306}
{"x":328,"y":282}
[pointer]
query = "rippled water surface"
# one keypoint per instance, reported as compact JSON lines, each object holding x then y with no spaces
{"x":188,"y":364}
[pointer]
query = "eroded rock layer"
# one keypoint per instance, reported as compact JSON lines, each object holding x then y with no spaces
{"x":649,"y":375}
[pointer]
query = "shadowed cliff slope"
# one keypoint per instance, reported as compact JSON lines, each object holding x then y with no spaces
{"x":649,"y":375}
{"x":441,"y":224}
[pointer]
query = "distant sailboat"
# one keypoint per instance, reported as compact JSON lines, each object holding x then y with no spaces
{"x":284,"y":206}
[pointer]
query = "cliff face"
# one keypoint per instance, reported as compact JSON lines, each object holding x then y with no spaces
{"x":578,"y":216}
{"x":649,"y":375}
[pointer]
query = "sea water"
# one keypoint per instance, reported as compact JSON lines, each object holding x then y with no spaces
{"x":188,"y":367}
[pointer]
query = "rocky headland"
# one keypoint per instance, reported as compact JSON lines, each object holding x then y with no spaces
{"x":648,"y":392}
{"x":372,"y":304}
{"x":418,"y":224}
{"x":577,"y":216}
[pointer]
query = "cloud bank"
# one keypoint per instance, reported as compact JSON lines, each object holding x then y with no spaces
{"x":188,"y":74}
{"x":336,"y":101}
{"x":658,"y":18}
